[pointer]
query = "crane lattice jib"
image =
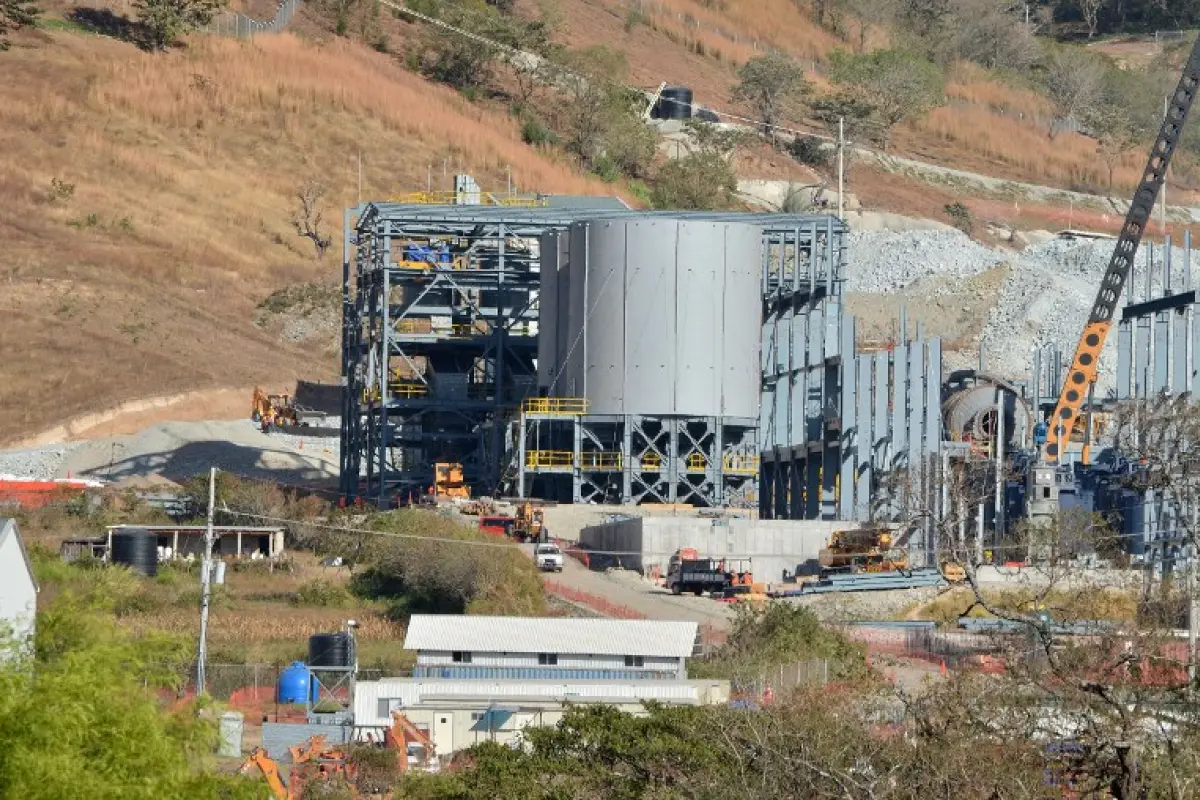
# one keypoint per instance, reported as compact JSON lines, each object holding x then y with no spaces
{"x":1085,"y":365}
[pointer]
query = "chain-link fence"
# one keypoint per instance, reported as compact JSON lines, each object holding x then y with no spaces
{"x":232,"y":23}
{"x":781,"y":679}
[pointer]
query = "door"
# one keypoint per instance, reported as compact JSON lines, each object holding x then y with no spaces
{"x":443,"y":732}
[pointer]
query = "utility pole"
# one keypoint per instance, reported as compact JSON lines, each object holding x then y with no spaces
{"x":206,"y":582}
{"x":841,"y":168}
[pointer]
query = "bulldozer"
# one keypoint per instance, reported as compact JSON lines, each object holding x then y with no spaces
{"x":861,"y":550}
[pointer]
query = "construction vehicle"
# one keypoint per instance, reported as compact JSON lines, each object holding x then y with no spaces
{"x":530,"y":524}
{"x":497,"y":525}
{"x":1085,"y":365}
{"x":861,"y":550}
{"x":270,"y":771}
{"x":448,"y":483}
{"x":687,"y":572}
{"x":412,"y":745}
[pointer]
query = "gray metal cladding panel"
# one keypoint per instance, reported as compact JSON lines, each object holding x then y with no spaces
{"x":741,"y":312}
{"x":699,"y":337}
{"x":650,"y":297}
{"x":604,"y":368}
{"x":572,"y":336}
{"x":786,"y":326}
{"x":277,"y":737}
{"x":548,"y":309}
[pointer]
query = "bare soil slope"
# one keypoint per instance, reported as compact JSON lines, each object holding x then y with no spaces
{"x":140,"y":274}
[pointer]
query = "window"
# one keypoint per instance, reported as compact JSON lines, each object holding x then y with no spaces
{"x":460,"y":657}
{"x":476,"y":716}
{"x":384,"y":708}
{"x":635,"y":661}
{"x":548,"y":659}
{"x":1046,"y":492}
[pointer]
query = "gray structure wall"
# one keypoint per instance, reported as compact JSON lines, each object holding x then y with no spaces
{"x":769,"y":546}
{"x":661,"y":317}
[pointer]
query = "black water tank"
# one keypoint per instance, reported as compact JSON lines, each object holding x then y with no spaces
{"x":675,"y":102}
{"x":137,"y":549}
{"x":705,"y":115}
{"x":329,"y":650}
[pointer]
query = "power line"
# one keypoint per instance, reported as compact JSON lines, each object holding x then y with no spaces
{"x":507,"y":544}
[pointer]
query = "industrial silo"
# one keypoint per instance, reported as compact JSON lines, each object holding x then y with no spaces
{"x":649,"y":358}
{"x":662,"y":318}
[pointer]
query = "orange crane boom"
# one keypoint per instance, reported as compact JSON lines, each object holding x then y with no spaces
{"x":1085,"y":365}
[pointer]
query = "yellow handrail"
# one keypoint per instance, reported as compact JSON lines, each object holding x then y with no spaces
{"x":697,"y":462}
{"x":408,"y":389}
{"x":555,"y":406}
{"x":548,"y":459}
{"x":740,"y":464}
{"x":651,"y":461}
{"x":601,"y":460}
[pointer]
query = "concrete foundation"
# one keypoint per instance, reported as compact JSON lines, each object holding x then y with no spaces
{"x":769,"y":547}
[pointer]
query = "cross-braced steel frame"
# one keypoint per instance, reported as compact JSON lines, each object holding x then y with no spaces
{"x":439,"y":347}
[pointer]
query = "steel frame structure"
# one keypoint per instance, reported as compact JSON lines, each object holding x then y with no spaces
{"x":438,"y":353}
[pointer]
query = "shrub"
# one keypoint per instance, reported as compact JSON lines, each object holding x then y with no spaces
{"x":811,"y":151}
{"x":960,"y":216}
{"x":322,"y":594}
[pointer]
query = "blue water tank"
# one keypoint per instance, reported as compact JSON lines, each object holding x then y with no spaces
{"x":295,"y":683}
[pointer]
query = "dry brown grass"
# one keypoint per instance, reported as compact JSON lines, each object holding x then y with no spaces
{"x":185,"y":166}
{"x":778,"y":23}
{"x":976,"y":139}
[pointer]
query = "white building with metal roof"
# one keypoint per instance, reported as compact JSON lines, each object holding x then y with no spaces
{"x":549,"y":648}
{"x":18,"y":588}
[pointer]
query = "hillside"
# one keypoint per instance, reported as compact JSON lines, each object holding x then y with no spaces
{"x":177,"y":178}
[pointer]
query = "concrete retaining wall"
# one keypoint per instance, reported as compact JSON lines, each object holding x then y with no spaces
{"x":771,"y":546}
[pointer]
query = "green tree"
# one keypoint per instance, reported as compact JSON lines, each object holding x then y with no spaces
{"x":165,"y":21}
{"x":598,"y":120}
{"x":774,"y":86}
{"x":15,"y":15}
{"x":704,"y":178}
{"x":82,"y":719}
{"x":853,"y":108}
{"x":900,"y":85}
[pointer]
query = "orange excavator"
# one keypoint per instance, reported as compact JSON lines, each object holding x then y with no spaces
{"x":311,"y":760}
{"x":315,"y":760}
{"x":270,"y":771}
{"x":401,"y":735}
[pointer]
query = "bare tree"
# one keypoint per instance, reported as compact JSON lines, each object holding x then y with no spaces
{"x":308,"y":218}
{"x":1090,"y":9}
{"x":1074,"y":82}
{"x":1089,"y":654}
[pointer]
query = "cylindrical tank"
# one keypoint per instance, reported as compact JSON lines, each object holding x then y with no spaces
{"x":329,"y":650}
{"x":296,"y":683}
{"x":672,"y":314}
{"x":229,"y":728}
{"x":137,"y":549}
{"x":675,"y":102}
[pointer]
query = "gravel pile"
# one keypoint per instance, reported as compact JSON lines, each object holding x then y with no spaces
{"x":41,"y":463}
{"x":1046,"y":299}
{"x":890,"y":261}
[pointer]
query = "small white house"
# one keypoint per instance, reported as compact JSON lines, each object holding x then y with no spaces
{"x":18,"y":589}
{"x":549,"y":648}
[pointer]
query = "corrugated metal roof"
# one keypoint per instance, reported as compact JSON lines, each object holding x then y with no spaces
{"x":586,"y":202}
{"x":551,"y":635}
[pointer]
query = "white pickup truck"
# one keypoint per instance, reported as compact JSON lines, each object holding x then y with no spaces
{"x":549,"y":558}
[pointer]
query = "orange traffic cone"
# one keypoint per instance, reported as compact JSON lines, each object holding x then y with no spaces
{"x":943,"y":666}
